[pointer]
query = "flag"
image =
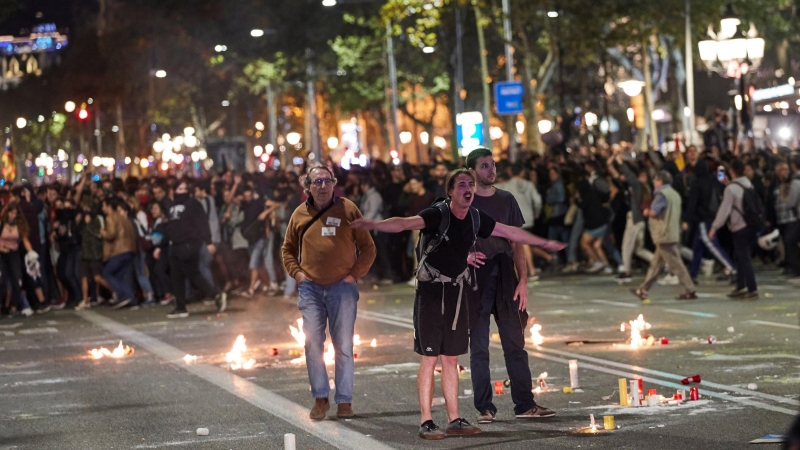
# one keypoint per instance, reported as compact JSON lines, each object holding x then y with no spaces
{"x":9,"y":170}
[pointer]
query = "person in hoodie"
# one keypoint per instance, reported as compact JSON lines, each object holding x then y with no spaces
{"x":187,"y":230}
{"x":705,"y":195}
{"x":731,"y":212}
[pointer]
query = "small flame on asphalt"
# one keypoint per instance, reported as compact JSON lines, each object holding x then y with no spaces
{"x":235,"y":356}
{"x":118,"y":352}
{"x":356,"y":339}
{"x":190,"y":358}
{"x":637,"y":327}
{"x":373,"y":343}
{"x":536,"y":337}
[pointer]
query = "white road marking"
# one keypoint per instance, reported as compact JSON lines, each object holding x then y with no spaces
{"x":329,"y":431}
{"x":724,"y":396}
{"x":12,"y":325}
{"x":775,"y":324}
{"x":385,"y":316}
{"x":199,"y":441}
{"x":691,"y":313}
{"x":43,"y":330}
{"x":608,"y":302}
{"x":547,"y":294}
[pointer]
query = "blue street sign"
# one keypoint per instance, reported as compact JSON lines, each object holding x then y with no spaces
{"x":508,"y":97}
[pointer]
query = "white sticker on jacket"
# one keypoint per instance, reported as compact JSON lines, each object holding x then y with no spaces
{"x":329,"y":231}
{"x":333,"y":221}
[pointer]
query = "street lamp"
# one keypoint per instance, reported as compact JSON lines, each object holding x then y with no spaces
{"x":293,"y":138}
{"x":257,"y":32}
{"x":631,"y":88}
{"x":161,"y":73}
{"x":69,"y":106}
{"x":732,"y":53}
{"x":328,"y":2}
{"x":21,"y":122}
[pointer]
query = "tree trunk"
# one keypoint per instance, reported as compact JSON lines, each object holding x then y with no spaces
{"x":121,"y":151}
{"x":648,"y":97}
{"x":532,"y":131}
{"x":487,"y":97}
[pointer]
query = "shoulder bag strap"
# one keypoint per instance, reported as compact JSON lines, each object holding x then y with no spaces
{"x":307,"y":226}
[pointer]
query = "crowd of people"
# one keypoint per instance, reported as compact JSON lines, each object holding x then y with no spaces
{"x":113,"y":241}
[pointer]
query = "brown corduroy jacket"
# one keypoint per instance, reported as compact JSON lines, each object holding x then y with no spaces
{"x":330,"y":249}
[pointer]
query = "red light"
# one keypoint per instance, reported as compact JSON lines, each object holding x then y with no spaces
{"x":83,"y":114}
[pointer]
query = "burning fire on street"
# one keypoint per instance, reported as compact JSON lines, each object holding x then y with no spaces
{"x":536,"y":336}
{"x":236,"y":358}
{"x":637,"y":327}
{"x":119,"y":352}
{"x":541,"y":383}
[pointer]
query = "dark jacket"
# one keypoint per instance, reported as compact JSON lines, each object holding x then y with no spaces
{"x":595,"y":215}
{"x":704,"y":187}
{"x":187,"y":223}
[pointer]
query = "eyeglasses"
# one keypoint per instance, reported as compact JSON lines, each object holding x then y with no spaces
{"x":322,"y":181}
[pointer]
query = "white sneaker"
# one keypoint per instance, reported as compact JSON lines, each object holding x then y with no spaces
{"x":669,"y":280}
{"x":27,"y":312}
{"x":608,"y":270}
{"x":596,"y":266}
{"x":620,"y":269}
{"x":412,"y":282}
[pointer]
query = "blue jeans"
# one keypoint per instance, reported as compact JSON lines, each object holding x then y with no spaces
{"x":334,"y":305}
{"x":118,"y":272}
{"x":574,"y":238}
{"x":261,"y":250}
{"x":140,"y":269}
{"x":206,"y":258}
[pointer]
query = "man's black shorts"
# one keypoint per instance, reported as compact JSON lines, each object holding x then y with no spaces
{"x":433,"y":331}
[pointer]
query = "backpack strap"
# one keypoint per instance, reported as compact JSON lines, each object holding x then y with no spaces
{"x":441,"y":234}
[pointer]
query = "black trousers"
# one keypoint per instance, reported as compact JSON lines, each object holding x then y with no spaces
{"x":512,"y":339}
{"x":11,"y":270}
{"x":742,"y":254}
{"x":184,"y":264}
{"x":791,"y":237}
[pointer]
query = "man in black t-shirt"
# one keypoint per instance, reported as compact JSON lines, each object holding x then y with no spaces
{"x":502,"y":292}
{"x":440,"y":314}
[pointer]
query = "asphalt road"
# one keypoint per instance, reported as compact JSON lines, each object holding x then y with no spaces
{"x":54,"y":395}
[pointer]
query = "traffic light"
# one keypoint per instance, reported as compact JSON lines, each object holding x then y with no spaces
{"x":83,"y":114}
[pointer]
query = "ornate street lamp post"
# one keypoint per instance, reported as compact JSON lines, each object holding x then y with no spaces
{"x":732,"y":53}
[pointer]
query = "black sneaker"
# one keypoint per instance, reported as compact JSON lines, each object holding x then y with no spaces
{"x":430,"y":431}
{"x":623,"y":278}
{"x":461,"y":427}
{"x":222,"y":302}
{"x":178,"y":314}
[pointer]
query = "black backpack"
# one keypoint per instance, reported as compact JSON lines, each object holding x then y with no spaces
{"x":752,"y":209}
{"x":428,"y":243}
